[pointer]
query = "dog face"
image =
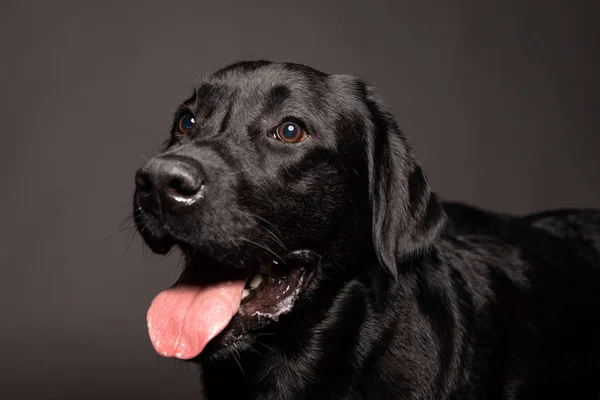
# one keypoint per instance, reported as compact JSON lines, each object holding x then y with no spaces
{"x":273,"y":175}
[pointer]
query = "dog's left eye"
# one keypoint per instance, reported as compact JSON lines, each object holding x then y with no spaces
{"x":290,"y":132}
{"x":186,"y":123}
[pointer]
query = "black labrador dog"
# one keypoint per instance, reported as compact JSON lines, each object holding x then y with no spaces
{"x":320,"y":265}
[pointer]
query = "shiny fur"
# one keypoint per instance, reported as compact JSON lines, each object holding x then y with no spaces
{"x":405,"y":302}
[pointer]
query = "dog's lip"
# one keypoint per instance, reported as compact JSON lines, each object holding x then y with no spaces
{"x":160,"y":246}
{"x":261,"y":310}
{"x":156,"y":236}
{"x":284,"y":288}
{"x":197,"y":272}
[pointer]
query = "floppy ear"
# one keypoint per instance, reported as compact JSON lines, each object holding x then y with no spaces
{"x":407,"y":216}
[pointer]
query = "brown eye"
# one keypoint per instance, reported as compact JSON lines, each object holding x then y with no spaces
{"x":291,"y":132}
{"x":186,"y":123}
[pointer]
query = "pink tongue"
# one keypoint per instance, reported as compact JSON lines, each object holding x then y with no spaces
{"x":183,"y":319}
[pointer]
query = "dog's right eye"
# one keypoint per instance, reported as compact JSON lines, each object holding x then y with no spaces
{"x":186,"y":123}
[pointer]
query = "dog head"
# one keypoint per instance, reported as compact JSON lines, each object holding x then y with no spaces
{"x":271,"y":172}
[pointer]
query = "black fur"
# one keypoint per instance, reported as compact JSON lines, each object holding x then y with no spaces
{"x":404,"y":302}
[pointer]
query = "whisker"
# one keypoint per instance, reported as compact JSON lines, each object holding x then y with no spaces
{"x":147,"y":254}
{"x":125,"y":225}
{"x":128,"y":220}
{"x":264,"y":345}
{"x":254,"y":350}
{"x":196,"y":73}
{"x":133,"y":236}
{"x":271,"y":233}
{"x":273,"y":236}
{"x":266,"y":334}
{"x":263,"y":219}
{"x":237,"y":361}
{"x":129,"y":244}
{"x":265,"y":248}
{"x":276,"y":239}
{"x":121,"y":230}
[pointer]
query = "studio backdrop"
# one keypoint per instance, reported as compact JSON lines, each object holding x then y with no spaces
{"x":500,"y":100}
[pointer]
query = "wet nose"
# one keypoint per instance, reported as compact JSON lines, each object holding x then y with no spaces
{"x":169,"y":182}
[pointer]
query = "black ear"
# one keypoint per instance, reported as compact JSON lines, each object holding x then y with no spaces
{"x":407,"y":216}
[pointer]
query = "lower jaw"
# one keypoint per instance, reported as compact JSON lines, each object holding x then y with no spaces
{"x":257,"y":314}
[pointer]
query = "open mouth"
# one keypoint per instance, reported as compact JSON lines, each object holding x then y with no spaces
{"x":212,"y":299}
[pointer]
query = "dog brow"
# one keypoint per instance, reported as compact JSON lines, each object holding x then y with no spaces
{"x":227,"y":116}
{"x":275,"y":99}
{"x":190,"y":101}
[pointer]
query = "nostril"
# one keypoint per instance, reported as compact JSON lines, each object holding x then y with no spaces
{"x":170,"y":180}
{"x":143,"y":183}
{"x":185,"y":185}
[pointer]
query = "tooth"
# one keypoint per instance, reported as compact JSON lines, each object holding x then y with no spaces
{"x":256,"y":281}
{"x":245,"y":293}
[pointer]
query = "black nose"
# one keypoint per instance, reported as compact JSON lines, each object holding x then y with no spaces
{"x":168,"y":182}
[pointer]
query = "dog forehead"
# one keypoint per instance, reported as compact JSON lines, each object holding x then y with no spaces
{"x":257,"y":84}
{"x":246,"y":94}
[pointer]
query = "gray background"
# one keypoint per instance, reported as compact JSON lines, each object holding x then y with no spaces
{"x":501,"y":102}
